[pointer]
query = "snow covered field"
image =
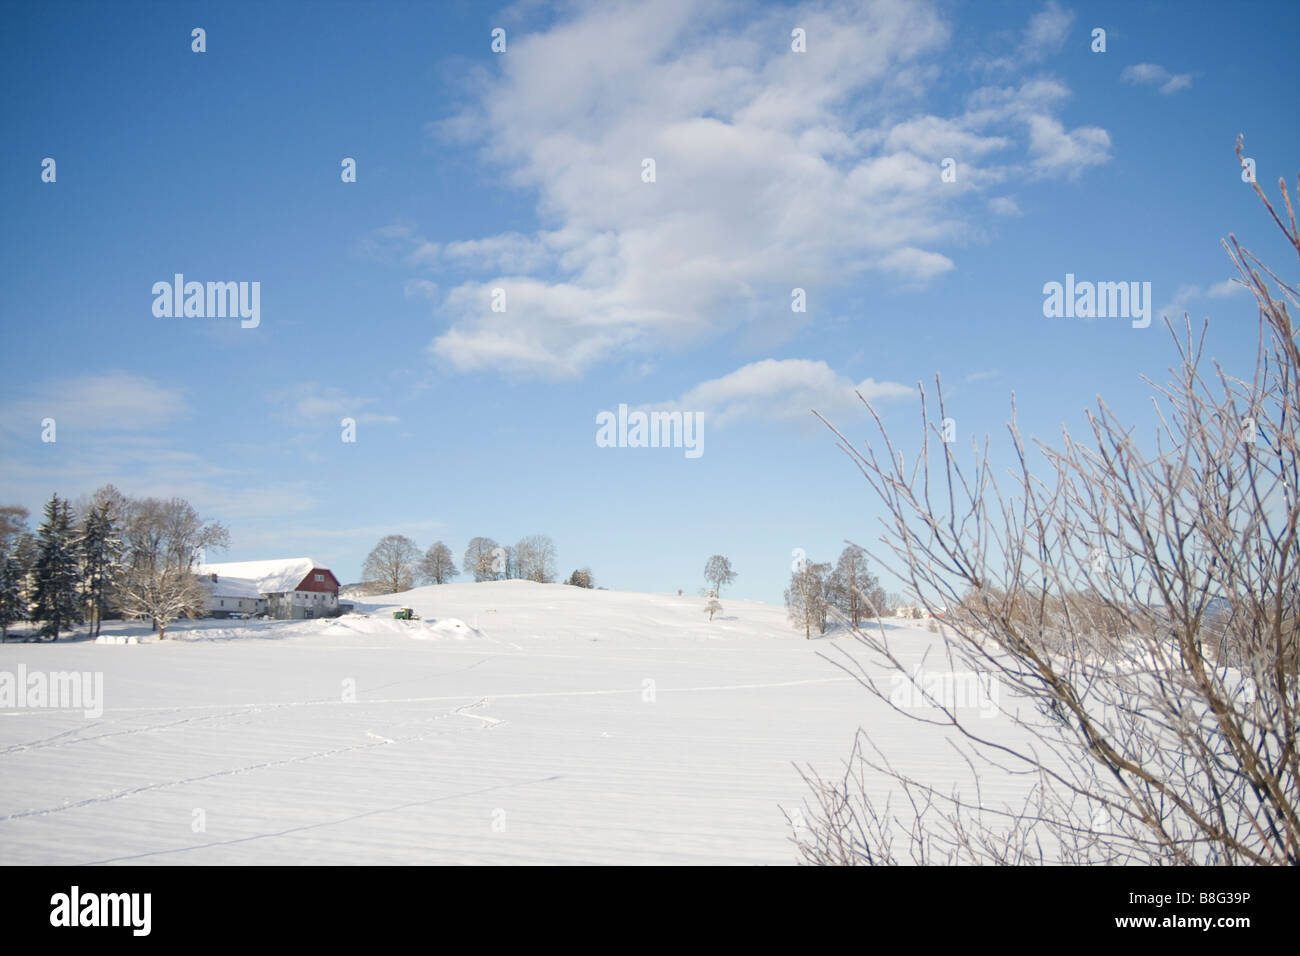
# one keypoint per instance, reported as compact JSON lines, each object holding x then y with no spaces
{"x":516,"y":723}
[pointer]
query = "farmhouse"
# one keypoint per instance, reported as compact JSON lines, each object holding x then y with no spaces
{"x":229,"y":596}
{"x":292,"y":587}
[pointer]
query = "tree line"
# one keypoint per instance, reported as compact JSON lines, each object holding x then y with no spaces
{"x":396,"y":563}
{"x":110,"y":555}
{"x":849,"y":588}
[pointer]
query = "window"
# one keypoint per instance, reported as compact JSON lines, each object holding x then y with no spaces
{"x":320,"y":577}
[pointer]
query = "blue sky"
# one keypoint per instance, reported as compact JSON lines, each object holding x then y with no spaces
{"x":522,"y":170}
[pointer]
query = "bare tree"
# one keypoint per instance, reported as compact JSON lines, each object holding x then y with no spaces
{"x":480,"y":559}
{"x":713,"y":607}
{"x":1162,"y":707}
{"x":161,"y":541}
{"x":438,"y":565}
{"x":535,"y":555}
{"x":186,"y":536}
{"x":161,"y":594}
{"x":852,"y":589}
{"x":717,"y":571}
{"x":805,"y":598}
{"x":392,"y":563}
{"x":13,"y":523}
{"x":159,"y":533}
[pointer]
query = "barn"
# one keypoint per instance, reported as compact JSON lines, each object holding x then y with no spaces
{"x":294,"y":588}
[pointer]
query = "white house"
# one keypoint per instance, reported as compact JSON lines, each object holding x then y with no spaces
{"x":291,"y":587}
{"x":229,"y":596}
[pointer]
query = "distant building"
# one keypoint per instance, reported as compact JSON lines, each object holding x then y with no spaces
{"x":293,"y":588}
{"x":916,"y":613}
{"x":227,"y":596}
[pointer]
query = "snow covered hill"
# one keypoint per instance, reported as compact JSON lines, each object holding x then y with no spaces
{"x":514,"y":723}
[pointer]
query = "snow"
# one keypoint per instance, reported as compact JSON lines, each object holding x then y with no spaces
{"x":268,"y":577}
{"x":514,"y":723}
{"x":232,"y":587}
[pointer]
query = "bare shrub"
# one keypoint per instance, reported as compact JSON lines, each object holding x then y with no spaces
{"x":1139,"y":606}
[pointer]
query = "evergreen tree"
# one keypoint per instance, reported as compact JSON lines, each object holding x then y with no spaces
{"x":581,"y":578}
{"x":57,"y":574}
{"x":11,"y":602}
{"x":24,"y":552}
{"x":101,"y":550}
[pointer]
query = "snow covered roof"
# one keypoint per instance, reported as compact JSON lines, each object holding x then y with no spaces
{"x":230,"y":587}
{"x":269,"y":577}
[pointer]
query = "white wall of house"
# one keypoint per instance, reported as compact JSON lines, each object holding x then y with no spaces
{"x":225,"y":604}
{"x":303,"y":604}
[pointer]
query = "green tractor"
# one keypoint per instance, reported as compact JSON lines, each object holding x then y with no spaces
{"x":406,"y":614}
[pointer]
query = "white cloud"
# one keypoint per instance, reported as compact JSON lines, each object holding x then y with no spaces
{"x":1187,"y":294}
{"x":1046,"y":31}
{"x":1225,"y":288}
{"x":916,"y":263}
{"x":1056,"y":150}
{"x":781,"y":390}
{"x":310,"y":404}
{"x":1043,"y":35}
{"x":323,"y":540}
{"x":1004,"y":206}
{"x":936,"y":137}
{"x":108,"y":402}
{"x":113,"y":428}
{"x":421,"y":288}
{"x":1152,"y":74}
{"x":387,"y":243}
{"x":773,"y":170}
